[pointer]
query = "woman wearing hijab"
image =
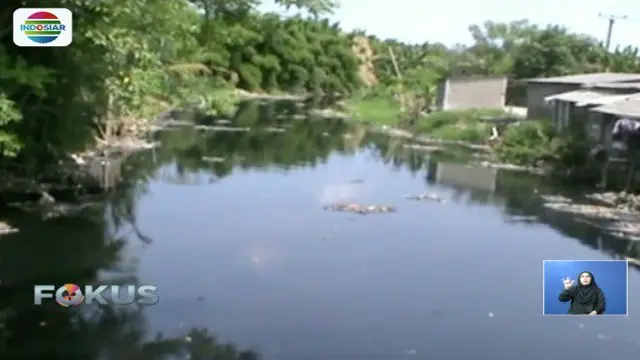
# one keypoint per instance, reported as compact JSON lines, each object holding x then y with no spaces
{"x":586,"y":297}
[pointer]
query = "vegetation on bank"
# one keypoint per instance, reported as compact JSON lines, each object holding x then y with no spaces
{"x":517,"y":50}
{"x":567,"y":154}
{"x":130,"y":60}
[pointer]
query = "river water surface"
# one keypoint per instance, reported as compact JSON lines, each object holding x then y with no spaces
{"x":245,"y":249}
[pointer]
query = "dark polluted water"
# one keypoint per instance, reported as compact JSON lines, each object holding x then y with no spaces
{"x":239,"y":244}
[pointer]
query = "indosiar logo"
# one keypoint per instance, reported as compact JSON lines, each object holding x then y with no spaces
{"x":42,"y":27}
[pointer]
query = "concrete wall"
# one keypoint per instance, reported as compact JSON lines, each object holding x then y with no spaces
{"x":471,"y":93}
{"x":536,"y":92}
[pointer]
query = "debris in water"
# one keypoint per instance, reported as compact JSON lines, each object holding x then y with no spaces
{"x":223,"y":122}
{"x":512,"y":167}
{"x":54,"y":210}
{"x":631,"y":230}
{"x":275,"y":129}
{"x":356,"y":181}
{"x":633,"y":261}
{"x":6,"y":229}
{"x":621,"y":200}
{"x":582,"y":209}
{"x":412,"y":352}
{"x":327,"y":113}
{"x":426,"y":196}
{"x":556,"y":199}
{"x":604,"y":338}
{"x":175,"y":123}
{"x":523,"y":218}
{"x":424,"y":148}
{"x":625,"y":236}
{"x":581,"y":326}
{"x":361,"y":209}
{"x":491,"y":315}
{"x":222,"y":128}
{"x":187,"y":339}
{"x":213,"y":159}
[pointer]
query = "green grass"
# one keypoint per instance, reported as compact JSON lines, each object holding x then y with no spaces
{"x":376,"y":110}
{"x":463,"y":125}
{"x":457,"y":125}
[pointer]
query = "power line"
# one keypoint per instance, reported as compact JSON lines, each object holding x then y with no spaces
{"x":612,"y":18}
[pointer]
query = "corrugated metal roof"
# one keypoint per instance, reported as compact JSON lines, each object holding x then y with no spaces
{"x":633,"y":85}
{"x":588,"y":78}
{"x":587,"y":97}
{"x":626,"y":108}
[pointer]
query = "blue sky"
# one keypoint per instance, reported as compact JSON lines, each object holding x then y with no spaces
{"x":447,"y":21}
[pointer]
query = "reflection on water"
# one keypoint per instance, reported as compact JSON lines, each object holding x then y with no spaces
{"x":243,"y":247}
{"x":464,"y":176}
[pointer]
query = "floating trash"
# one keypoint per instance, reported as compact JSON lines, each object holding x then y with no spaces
{"x":6,"y":229}
{"x":621,"y":200}
{"x":425,"y":148}
{"x":274,"y":129}
{"x":556,"y":199}
{"x":491,"y":314}
{"x":522,"y":218}
{"x":426,"y":196}
{"x":222,"y":128}
{"x":361,"y":209}
{"x":412,"y":352}
{"x":596,"y":211}
{"x":213,"y":159}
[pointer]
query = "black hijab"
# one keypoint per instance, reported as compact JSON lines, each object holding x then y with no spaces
{"x":586,"y":294}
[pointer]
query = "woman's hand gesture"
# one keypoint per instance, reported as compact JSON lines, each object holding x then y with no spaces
{"x":568,"y":283}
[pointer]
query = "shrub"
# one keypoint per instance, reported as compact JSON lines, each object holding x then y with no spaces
{"x":526,"y":143}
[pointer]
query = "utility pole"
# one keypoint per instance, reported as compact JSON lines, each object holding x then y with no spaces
{"x":612,"y":20}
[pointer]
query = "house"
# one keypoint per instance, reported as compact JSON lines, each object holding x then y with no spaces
{"x":539,"y":89}
{"x":607,"y":114}
{"x":627,"y":108}
{"x":461,"y":93}
{"x":574,"y":108}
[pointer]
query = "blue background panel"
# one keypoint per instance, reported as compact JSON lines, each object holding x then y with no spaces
{"x":611,"y":277}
